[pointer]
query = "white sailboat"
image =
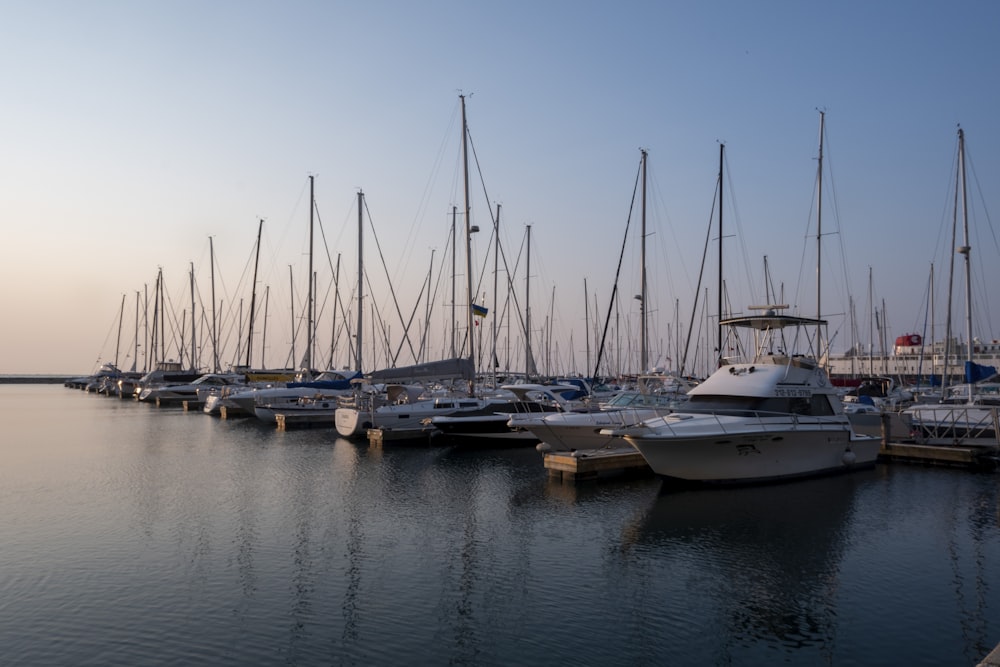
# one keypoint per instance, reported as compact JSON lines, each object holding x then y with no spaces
{"x":972,"y":419}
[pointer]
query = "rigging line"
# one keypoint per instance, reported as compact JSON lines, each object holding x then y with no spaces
{"x":511,"y":292}
{"x":425,"y":195}
{"x":658,"y":199}
{"x":416,"y":304}
{"x":392,"y":290}
{"x":845,"y":267}
{"x":737,"y":221}
{"x":701,"y":275}
{"x":482,"y":181}
{"x":329,"y":262}
{"x":618,"y":271}
{"x":375,"y":311}
{"x":980,"y":267}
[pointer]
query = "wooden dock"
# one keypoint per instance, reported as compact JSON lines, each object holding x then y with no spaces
{"x":584,"y":464}
{"x":228,"y":412}
{"x":992,"y":660}
{"x":976,"y":458}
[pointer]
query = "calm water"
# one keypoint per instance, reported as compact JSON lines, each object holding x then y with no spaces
{"x":131,"y":535}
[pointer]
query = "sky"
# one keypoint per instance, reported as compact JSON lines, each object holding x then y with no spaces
{"x":141,"y":137}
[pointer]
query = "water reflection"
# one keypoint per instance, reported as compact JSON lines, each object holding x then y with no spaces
{"x":767,"y":557}
{"x":132,"y":535}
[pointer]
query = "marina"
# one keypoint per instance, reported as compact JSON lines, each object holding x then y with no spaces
{"x":132,"y":531}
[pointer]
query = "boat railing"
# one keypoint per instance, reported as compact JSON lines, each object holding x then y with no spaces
{"x":955,"y":424}
{"x":755,"y":421}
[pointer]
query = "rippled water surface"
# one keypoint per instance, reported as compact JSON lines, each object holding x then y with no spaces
{"x":132,"y":535}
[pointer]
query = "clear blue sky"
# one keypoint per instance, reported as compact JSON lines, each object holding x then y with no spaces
{"x":134,"y":131}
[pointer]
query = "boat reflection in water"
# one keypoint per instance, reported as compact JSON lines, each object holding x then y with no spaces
{"x":762,"y":561}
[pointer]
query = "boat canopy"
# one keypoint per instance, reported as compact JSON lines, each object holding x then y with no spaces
{"x":771,"y":321}
{"x":445,"y":369}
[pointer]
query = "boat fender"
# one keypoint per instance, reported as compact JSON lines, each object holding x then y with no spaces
{"x":543,"y":447}
{"x":849,"y":458}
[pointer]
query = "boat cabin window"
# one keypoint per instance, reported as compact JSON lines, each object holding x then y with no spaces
{"x":816,"y":405}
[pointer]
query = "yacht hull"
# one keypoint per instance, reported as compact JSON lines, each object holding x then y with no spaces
{"x":756,"y":455}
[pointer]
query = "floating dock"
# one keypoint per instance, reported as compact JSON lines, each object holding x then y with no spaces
{"x":590,"y":464}
{"x":977,"y":458}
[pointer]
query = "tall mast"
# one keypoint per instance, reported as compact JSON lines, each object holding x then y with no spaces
{"x":215,"y":333}
{"x":145,"y":328}
{"x":454,"y":260}
{"x":496,"y":274}
{"x":966,"y":251}
{"x":529,"y":366}
{"x":291,"y":290}
{"x":163,"y":322}
{"x":253,"y":296}
{"x":718,"y":329}
{"x":819,"y":239}
{"x":194,"y":347}
{"x":930,"y":291}
{"x":871,"y":325}
{"x":468,"y":234}
{"x":361,"y":273}
{"x":307,"y":360}
{"x":135,"y":354}
{"x":118,"y":344}
{"x":586,"y":321}
{"x":643,"y":342}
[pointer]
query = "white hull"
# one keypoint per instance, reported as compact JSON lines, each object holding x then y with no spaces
{"x":351,"y":422}
{"x":575,"y":430}
{"x":753,"y":451}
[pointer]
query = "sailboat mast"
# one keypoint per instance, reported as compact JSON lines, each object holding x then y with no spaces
{"x":291,"y":290}
{"x":586,"y":321}
{"x":468,"y":233}
{"x":215,"y":332}
{"x":819,"y":239}
{"x":135,"y":354}
{"x":496,"y":276}
{"x":163,"y":321}
{"x":718,"y":332}
{"x":454,"y":261}
{"x":118,"y":344}
{"x":643,"y":342}
{"x":871,"y":325}
{"x":529,"y":367}
{"x":361,"y":273}
{"x":965,"y":250}
{"x":308,"y":359}
{"x":194,"y":347}
{"x":253,"y":296}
